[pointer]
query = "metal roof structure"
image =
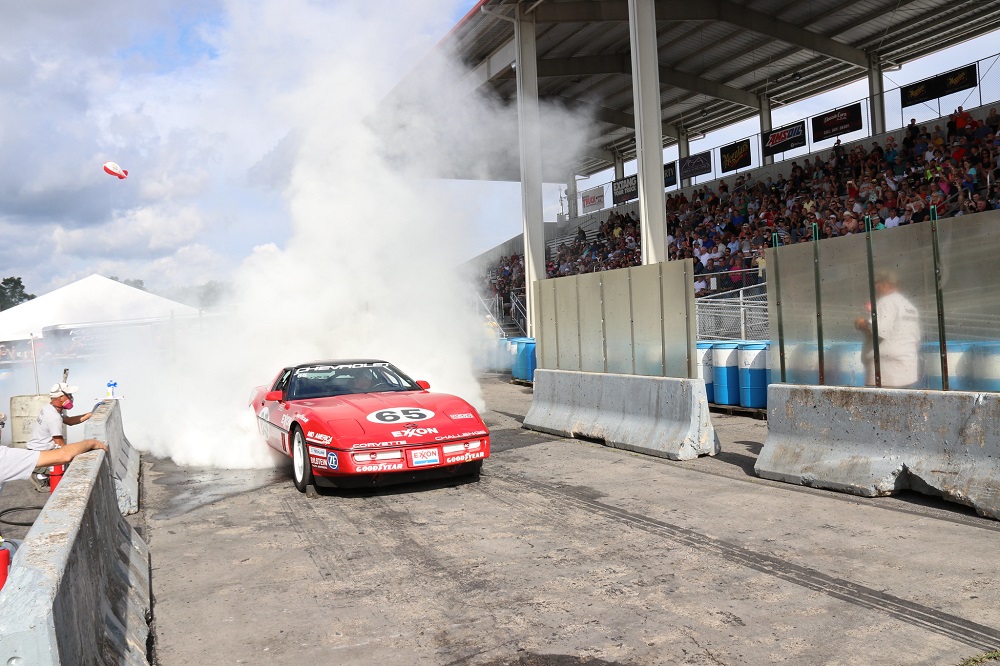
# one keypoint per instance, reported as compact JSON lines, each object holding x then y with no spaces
{"x":719,"y":60}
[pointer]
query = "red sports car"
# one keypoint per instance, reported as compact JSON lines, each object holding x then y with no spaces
{"x":361,"y":422}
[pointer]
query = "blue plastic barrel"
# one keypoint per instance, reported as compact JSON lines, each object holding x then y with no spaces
{"x":986,"y":357}
{"x":960,"y":365}
{"x":705,"y":368}
{"x":531,"y":360}
{"x":726,"y":372}
{"x":802,"y":363}
{"x":520,"y":367}
{"x":753,"y":374}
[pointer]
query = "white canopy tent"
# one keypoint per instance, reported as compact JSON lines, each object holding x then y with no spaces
{"x":94,"y":299}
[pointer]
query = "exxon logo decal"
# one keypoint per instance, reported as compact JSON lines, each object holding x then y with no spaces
{"x":414,"y":432}
{"x":784,"y":135}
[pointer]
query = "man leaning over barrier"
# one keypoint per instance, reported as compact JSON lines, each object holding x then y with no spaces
{"x":46,"y":434}
{"x":17,"y":464}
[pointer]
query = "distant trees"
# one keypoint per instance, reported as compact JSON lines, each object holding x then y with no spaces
{"x":12,"y":293}
{"x":138,"y":284}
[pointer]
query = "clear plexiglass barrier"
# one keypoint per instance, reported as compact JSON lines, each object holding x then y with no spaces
{"x":909,"y":307}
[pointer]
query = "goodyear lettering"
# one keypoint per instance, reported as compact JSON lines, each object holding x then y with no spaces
{"x":414,"y":432}
{"x":380,"y":467}
{"x":465,"y":457}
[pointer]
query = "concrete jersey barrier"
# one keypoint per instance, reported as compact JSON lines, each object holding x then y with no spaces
{"x":660,"y":416}
{"x":106,"y":425}
{"x":78,"y":591}
{"x":874,"y":442}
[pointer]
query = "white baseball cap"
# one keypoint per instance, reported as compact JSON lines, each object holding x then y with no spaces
{"x":61,"y":388}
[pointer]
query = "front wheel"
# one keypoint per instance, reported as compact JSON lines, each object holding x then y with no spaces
{"x":301,"y":468}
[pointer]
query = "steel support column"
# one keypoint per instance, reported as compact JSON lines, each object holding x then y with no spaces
{"x":648,"y":129}
{"x":571,"y":196}
{"x":876,"y":94}
{"x":619,"y":165}
{"x":765,"y":127}
{"x":530,"y":139}
{"x":683,"y":150}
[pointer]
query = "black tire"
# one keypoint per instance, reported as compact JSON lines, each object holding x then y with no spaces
{"x":302,"y":475}
{"x":475,"y":469}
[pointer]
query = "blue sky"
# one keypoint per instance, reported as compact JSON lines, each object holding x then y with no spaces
{"x":206,"y":103}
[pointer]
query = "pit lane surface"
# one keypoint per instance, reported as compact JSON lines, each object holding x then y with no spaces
{"x":565,"y":552}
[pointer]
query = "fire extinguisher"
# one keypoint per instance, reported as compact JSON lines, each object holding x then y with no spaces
{"x":4,"y":563}
{"x":55,"y":476}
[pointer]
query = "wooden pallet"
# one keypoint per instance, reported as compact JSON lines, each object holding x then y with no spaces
{"x":737,"y":410}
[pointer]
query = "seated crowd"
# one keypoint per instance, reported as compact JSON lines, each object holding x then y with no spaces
{"x":724,"y":230}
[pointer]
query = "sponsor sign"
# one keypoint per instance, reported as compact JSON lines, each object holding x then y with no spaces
{"x":330,"y":368}
{"x":422,"y":457}
{"x":317,"y":461}
{"x":839,"y":121}
{"x":696,"y":165}
{"x":461,"y":435}
{"x":625,"y":189}
{"x":400,"y":414}
{"x":286,"y":421}
{"x":316,"y":451}
{"x":461,"y":416}
{"x":670,"y":174}
{"x":414,"y":432}
{"x":332,"y":460}
{"x":593,"y":199}
{"x":954,"y":81}
{"x":735,"y":156}
{"x":785,"y":138}
{"x":376,"y":445}
{"x":318,"y":437}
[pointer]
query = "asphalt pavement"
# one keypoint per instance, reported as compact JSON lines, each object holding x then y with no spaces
{"x":564,"y":552}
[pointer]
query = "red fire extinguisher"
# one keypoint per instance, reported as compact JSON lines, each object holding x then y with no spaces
{"x":55,"y":476}
{"x":4,"y":564}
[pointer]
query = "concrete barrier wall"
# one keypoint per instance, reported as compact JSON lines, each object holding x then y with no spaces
{"x":78,"y":591}
{"x":106,"y":425}
{"x":873,"y":442}
{"x":660,"y":416}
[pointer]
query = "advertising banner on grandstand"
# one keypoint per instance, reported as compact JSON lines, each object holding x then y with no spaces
{"x":954,"y":81}
{"x":840,"y":121}
{"x":593,"y":199}
{"x":695,"y":165}
{"x":785,"y":138}
{"x":625,"y":189}
{"x":670,"y":174}
{"x":735,"y":156}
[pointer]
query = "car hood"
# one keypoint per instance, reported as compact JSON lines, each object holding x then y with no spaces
{"x":366,"y":432}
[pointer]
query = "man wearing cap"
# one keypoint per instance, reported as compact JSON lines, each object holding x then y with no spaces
{"x":47,"y":433}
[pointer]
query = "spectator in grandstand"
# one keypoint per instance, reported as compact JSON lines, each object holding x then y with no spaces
{"x":898,"y":336}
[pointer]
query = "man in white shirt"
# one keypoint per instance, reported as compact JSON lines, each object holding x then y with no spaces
{"x":894,"y":219}
{"x":898,"y":336}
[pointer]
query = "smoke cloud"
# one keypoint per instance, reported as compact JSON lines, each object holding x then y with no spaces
{"x":365,"y":256}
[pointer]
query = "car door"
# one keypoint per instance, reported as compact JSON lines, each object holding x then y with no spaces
{"x":270,"y":413}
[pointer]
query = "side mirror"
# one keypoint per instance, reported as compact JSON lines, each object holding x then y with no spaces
{"x":424,"y":385}
{"x":274,"y":396}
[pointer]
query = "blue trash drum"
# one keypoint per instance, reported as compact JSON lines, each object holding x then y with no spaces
{"x":726,"y":372}
{"x":705,"y":368}
{"x":753,"y":374}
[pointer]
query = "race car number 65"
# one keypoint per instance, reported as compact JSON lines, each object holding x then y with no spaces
{"x":396,"y":414}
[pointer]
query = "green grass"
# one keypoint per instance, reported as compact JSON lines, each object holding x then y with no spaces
{"x":982,"y":659}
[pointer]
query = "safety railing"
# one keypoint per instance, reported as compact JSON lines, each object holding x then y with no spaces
{"x":738,"y":314}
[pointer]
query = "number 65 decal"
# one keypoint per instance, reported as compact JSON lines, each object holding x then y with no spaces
{"x":398,"y":414}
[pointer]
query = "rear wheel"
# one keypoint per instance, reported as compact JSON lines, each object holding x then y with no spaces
{"x":301,"y":468}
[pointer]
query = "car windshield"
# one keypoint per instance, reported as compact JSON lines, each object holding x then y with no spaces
{"x":321,"y":381}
